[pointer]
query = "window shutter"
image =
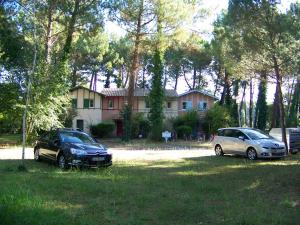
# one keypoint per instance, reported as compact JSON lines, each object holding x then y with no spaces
{"x":86,"y":103}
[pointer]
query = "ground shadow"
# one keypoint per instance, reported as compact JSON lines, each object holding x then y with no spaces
{"x":210,"y":190}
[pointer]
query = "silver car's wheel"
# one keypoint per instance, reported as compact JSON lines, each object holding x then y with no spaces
{"x":251,"y":154}
{"x":62,"y":162}
{"x":37,"y":154}
{"x":218,"y":150}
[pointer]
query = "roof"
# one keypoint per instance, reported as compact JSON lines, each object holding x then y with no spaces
{"x":138,"y":92}
{"x":85,"y":88}
{"x":199,"y":91}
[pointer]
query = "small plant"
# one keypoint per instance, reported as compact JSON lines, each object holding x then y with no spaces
{"x":103,"y":129}
{"x":184,"y":131}
{"x":140,"y":125}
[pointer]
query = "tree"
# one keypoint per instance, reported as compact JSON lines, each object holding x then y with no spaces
{"x":266,"y":30}
{"x":261,"y":112}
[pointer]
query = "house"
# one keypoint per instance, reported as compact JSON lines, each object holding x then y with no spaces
{"x":114,"y":99}
{"x":94,"y":107}
{"x":88,"y":105}
{"x":195,"y":100}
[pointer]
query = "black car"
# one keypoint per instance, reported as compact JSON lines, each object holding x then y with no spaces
{"x":69,"y":147}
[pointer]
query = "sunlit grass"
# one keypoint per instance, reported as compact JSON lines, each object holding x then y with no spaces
{"x":207,"y":190}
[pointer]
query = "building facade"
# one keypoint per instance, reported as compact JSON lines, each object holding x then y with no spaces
{"x":95,"y":107}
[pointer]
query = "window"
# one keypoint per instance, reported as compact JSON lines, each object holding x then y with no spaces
{"x":88,"y":103}
{"x":110,"y":104}
{"x":229,"y":133}
{"x":220,"y":132}
{"x":202,"y":105}
{"x":187,"y":105}
{"x":169,"y":105}
{"x":74,"y":103}
{"x":91,"y":103}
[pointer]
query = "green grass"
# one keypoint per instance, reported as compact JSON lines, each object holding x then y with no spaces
{"x":138,"y":144}
{"x":208,"y":190}
{"x":10,"y":139}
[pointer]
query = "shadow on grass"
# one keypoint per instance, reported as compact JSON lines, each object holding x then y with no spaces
{"x":206,"y":190}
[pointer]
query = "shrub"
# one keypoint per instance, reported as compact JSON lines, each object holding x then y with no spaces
{"x":140,"y":125}
{"x":217,"y":117}
{"x":183,"y":131}
{"x":189,"y":119}
{"x":103,"y":129}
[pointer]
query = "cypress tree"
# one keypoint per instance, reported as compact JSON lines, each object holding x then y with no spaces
{"x":157,"y":91}
{"x":261,"y":104}
{"x":292,"y":120}
{"x":157,"y":97}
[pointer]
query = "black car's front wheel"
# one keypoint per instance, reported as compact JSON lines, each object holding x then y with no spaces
{"x":62,"y":162}
{"x":218,"y":150}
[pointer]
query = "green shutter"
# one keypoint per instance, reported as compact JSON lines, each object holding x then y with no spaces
{"x":86,"y":103}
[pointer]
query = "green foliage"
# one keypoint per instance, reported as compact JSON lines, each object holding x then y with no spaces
{"x":189,"y":119}
{"x":183,"y":131}
{"x":103,"y":129}
{"x":140,"y":125}
{"x":216,"y":117}
{"x":157,"y":97}
{"x":293,"y":120}
{"x":261,"y":106}
{"x":11,"y":108}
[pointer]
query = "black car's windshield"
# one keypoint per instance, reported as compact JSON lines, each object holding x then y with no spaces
{"x":76,"y":137}
{"x":256,"y":134}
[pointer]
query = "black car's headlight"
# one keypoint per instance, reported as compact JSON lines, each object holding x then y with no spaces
{"x":77,"y":151}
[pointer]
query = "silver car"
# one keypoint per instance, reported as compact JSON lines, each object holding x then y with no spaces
{"x":252,"y":143}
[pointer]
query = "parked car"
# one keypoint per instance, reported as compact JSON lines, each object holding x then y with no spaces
{"x":68,"y":147}
{"x":252,"y":143}
{"x":292,"y":137}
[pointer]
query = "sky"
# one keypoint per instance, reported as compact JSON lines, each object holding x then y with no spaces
{"x":205,"y":27}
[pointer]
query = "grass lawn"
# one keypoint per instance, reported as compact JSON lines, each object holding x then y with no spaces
{"x":207,"y":190}
{"x":138,"y":144}
{"x":10,"y":139}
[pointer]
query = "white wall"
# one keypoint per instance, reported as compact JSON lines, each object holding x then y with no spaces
{"x":90,"y":116}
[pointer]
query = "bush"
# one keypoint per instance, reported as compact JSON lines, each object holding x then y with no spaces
{"x":103,"y":129}
{"x":184,"y":131}
{"x":140,"y":125}
{"x":189,"y":119}
{"x":217,"y":117}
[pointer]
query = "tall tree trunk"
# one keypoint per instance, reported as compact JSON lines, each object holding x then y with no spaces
{"x":199,"y":78}
{"x":176,"y":80}
{"x":244,"y":84}
{"x":226,"y":88}
{"x":251,"y":103}
{"x":135,"y":60}
{"x":194,"y":77}
{"x":186,"y":81}
{"x":74,"y":77}
{"x":48,"y":41}
{"x":70,"y":31}
{"x":280,"y":101}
